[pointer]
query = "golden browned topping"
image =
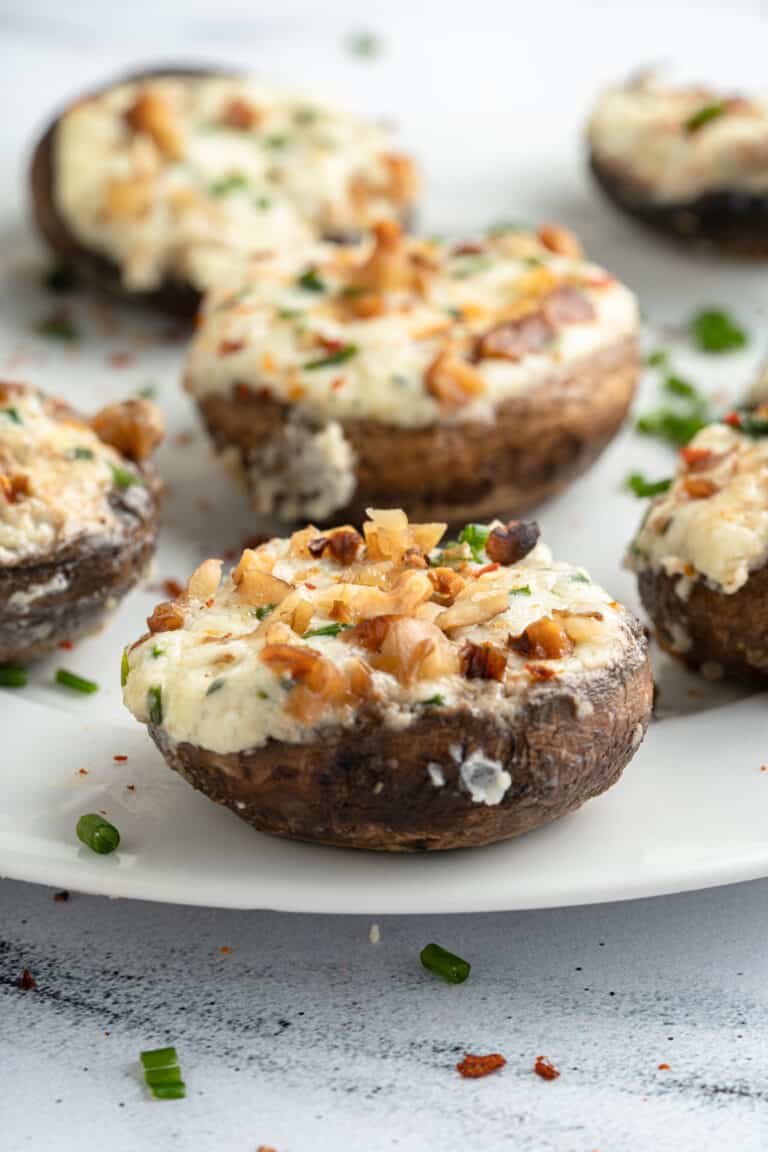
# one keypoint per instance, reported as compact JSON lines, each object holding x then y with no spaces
{"x":509,"y":543}
{"x":153,"y":114}
{"x":545,"y":639}
{"x":515,"y":339}
{"x":134,"y":428}
{"x":452,"y":380}
{"x":341,"y":545}
{"x":166,"y":617}
{"x":483,"y":661}
{"x":560,"y":240}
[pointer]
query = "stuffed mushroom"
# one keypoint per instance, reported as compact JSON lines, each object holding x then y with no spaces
{"x":689,"y":162}
{"x":153,"y":185}
{"x":78,"y":516}
{"x":391,"y":691}
{"x":701,"y":554}
{"x":451,"y":379}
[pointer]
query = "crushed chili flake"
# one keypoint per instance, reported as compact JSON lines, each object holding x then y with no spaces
{"x":473,"y":1067}
{"x":691,"y":455}
{"x":486,"y":568}
{"x":67,"y":645}
{"x":120,"y":759}
{"x":310,"y":586}
{"x":230,"y":347}
{"x":337,"y":383}
{"x":82,"y":771}
{"x":122,"y":359}
{"x":734,"y":419}
{"x":173,"y":589}
{"x":27,"y":981}
{"x":545,"y":1068}
{"x":664,"y":1068}
{"x":61,"y":897}
{"x":225,"y":949}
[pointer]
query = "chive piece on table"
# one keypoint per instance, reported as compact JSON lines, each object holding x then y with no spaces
{"x":451,"y":968}
{"x":713,"y":330}
{"x":159,"y":1058}
{"x":12,"y":676}
{"x":169,"y":1091}
{"x":640,"y":486}
{"x":155,"y":704}
{"x":78,"y":683}
{"x":97,"y":833}
{"x":155,"y":1077}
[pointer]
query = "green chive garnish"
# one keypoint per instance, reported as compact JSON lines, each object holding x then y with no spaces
{"x":667,"y":424}
{"x":157,"y":651}
{"x":123,"y":478}
{"x":704,"y":116}
{"x":436,"y":701}
{"x":124,"y":669}
{"x":523,"y":590}
{"x":159,"y":1058}
{"x":581,"y":578}
{"x":451,"y":968}
{"x":235,"y":182}
{"x":78,"y":683}
{"x":677,"y":386}
{"x":264,"y":611}
{"x":327,"y":630}
{"x":159,"y":1077}
{"x":641,"y":487}
{"x":13,"y":415}
{"x":476,"y":536}
{"x":310,"y":281}
{"x":12,"y":676}
{"x":659,"y":358}
{"x":305,"y":116}
{"x":340,"y":356}
{"x":148,"y":392}
{"x":276,"y":141}
{"x":155,"y":704}
{"x":169,"y":1091}
{"x":215,"y":685}
{"x":97,"y":833}
{"x":715,"y":331}
{"x":80,"y":454}
{"x":366,"y":45}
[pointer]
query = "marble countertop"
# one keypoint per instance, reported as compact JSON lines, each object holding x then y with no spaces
{"x":307,"y":1037}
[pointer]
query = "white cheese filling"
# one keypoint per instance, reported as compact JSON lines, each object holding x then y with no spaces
{"x":648,"y":133}
{"x":721,"y":536}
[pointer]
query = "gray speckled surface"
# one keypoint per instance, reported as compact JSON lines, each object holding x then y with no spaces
{"x":308,"y":1038}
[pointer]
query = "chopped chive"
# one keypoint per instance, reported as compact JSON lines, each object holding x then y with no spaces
{"x":305,"y":115}
{"x":97,"y":833}
{"x":13,"y":415}
{"x":340,"y":356}
{"x":523,"y":590}
{"x":169,"y":1091}
{"x":263,"y":203}
{"x":436,"y":701}
{"x":310,"y":281}
{"x":704,"y":115}
{"x":580,"y":578}
{"x":288,"y":313}
{"x":13,"y":676}
{"x":235,"y":182}
{"x":215,"y":685}
{"x":148,"y":391}
{"x":158,"y":1077}
{"x":125,"y":669}
{"x":78,"y":683}
{"x":60,"y":278}
{"x":264,"y":611}
{"x":452,"y":968}
{"x":157,"y":651}
{"x":80,"y":454}
{"x":659,"y":358}
{"x":276,"y":141}
{"x":58,"y":326}
{"x":677,"y":386}
{"x":327,"y":630}
{"x":352,"y":291}
{"x":155,"y":704}
{"x":159,"y":1058}
{"x":123,"y":478}
{"x":365,"y":45}
{"x":502,"y":226}
{"x":713,"y":330}
{"x":476,"y":536}
{"x":262,"y":695}
{"x":667,"y":424}
{"x":641,"y":487}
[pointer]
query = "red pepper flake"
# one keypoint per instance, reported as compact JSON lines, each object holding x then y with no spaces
{"x":663,"y":1067}
{"x":487,"y":568}
{"x":691,"y":455}
{"x":210,"y":602}
{"x":225,"y":950}
{"x":82,"y":771}
{"x":311,"y":587}
{"x":119,"y":759}
{"x":230,"y":347}
{"x":61,"y":897}
{"x":734,"y":419}
{"x":172,"y":589}
{"x":764,"y":767}
{"x":67,"y":645}
{"x":545,"y":1068}
{"x":473,"y":1067}
{"x":338,"y":383}
{"x":122,"y":359}
{"x":329,"y":345}
{"x":26,"y":981}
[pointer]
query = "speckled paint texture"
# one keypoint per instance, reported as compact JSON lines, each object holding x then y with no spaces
{"x":307,"y":1037}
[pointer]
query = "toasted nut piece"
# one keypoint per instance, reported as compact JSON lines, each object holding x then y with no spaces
{"x":699,"y":487}
{"x":16,"y":487}
{"x":318,"y":682}
{"x":258,"y":588}
{"x":127,"y":199}
{"x":153,"y":114}
{"x":447,"y":584}
{"x":483,"y":661}
{"x":406,"y":648}
{"x":510,"y":543}
{"x":473,"y":606}
{"x":560,"y":240}
{"x":544,"y":639}
{"x":205,"y":579}
{"x":241,"y":114}
{"x":388,"y":268}
{"x":166,"y":617}
{"x":581,"y":627}
{"x":134,"y":428}
{"x":403,"y":178}
{"x":342,"y":544}
{"x":514,"y":339}
{"x":295,"y":611}
{"x":452,"y":380}
{"x":568,"y":305}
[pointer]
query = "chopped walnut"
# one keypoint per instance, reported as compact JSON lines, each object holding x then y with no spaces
{"x":241,"y":114}
{"x":154,"y":115}
{"x":483,"y":661}
{"x":127,"y":199}
{"x":134,"y":428}
{"x":699,"y":487}
{"x":452,"y":380}
{"x":447,"y":583}
{"x":256,"y":587}
{"x":16,"y":487}
{"x":388,"y":268}
{"x":560,"y":240}
{"x":402,"y":183}
{"x":205,"y":580}
{"x":544,"y":639}
{"x":516,"y":338}
{"x":568,"y":304}
{"x":510,"y":543}
{"x":342,"y":544}
{"x":166,"y":617}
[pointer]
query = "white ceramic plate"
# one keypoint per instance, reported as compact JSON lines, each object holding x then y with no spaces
{"x":691,"y":809}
